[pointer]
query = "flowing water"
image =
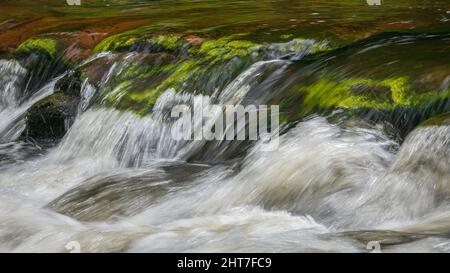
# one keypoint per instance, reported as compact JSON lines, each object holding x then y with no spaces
{"x":119,"y":181}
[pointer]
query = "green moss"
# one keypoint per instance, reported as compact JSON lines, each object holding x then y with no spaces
{"x":326,"y":94}
{"x":181,"y":74}
{"x":149,"y":97}
{"x":212,"y":50}
{"x":137,"y":71}
{"x":115,"y":42}
{"x":320,"y":47}
{"x":169,"y":42}
{"x":129,"y":38}
{"x":40,"y":45}
{"x":115,"y":95}
{"x":226,"y":48}
{"x":299,"y":44}
{"x":286,"y":36}
{"x":399,"y":88}
{"x":123,"y":39}
{"x":211,"y":65}
{"x":128,"y":92}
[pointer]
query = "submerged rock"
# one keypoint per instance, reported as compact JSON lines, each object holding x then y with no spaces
{"x":424,"y":157}
{"x":384,"y":237}
{"x":109,"y":197}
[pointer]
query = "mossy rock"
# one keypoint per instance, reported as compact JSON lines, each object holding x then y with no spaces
{"x":139,"y":85}
{"x":123,"y":40}
{"x":385,"y":94}
{"x":140,"y":40}
{"x":47,"y":46}
{"x":377,"y":77}
{"x":227,"y":48}
{"x":193,"y":76}
{"x":42,"y":57}
{"x":392,"y":100}
{"x":212,"y":49}
{"x":203,"y":68}
{"x":139,"y":82}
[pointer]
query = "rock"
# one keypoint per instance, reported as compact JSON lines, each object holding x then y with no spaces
{"x":49,"y":119}
{"x":42,"y":57}
{"x":424,"y":158}
{"x":104,"y":199}
{"x":142,"y":40}
{"x":45,"y":46}
{"x":164,"y":62}
{"x":440,"y":120}
{"x":381,"y":78}
{"x":110,"y":196}
{"x":194,"y":40}
{"x":384,"y":237}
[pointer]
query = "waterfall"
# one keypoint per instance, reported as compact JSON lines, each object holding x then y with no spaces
{"x":15,"y":101}
{"x":119,"y":181}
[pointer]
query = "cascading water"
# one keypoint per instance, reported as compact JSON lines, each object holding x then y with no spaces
{"x":118,"y":181}
{"x":12,"y":76}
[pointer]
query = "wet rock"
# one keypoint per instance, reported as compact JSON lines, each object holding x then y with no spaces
{"x":46,"y":121}
{"x":170,"y":62}
{"x":424,"y":158}
{"x":49,"y":119}
{"x":45,"y":46}
{"x":42,"y":57}
{"x":196,"y":65}
{"x":383,"y":237}
{"x":109,"y":197}
{"x":142,"y":40}
{"x":381,"y":78}
{"x":440,"y":120}
{"x":70,"y":84}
